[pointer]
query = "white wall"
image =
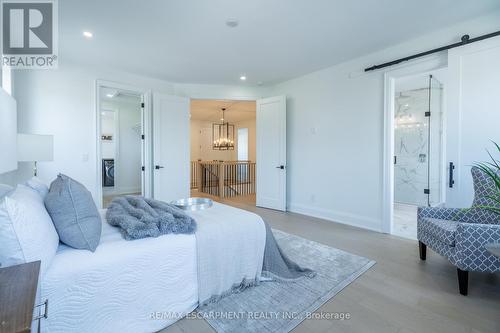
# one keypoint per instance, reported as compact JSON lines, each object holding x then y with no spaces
{"x":61,"y":102}
{"x":207,"y":91}
{"x":108,"y":127}
{"x":335,"y":124}
{"x":252,"y":139}
{"x":335,"y":131}
{"x":201,"y":144}
{"x":126,"y":145}
{"x":201,"y":141}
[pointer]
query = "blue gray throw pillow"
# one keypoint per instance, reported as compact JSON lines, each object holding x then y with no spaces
{"x":74,"y":213}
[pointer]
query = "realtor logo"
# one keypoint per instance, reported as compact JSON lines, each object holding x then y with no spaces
{"x":29,"y":34}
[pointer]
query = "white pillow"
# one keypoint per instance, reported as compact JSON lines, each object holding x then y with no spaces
{"x":38,"y":185}
{"x":4,"y":190}
{"x":26,"y":230}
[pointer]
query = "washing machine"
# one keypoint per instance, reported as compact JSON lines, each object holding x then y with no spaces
{"x":108,"y":172}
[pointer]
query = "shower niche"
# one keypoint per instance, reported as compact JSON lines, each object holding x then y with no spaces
{"x":418,"y":141}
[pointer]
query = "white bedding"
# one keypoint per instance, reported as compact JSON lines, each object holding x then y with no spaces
{"x":147,"y":284}
{"x":230,"y":246}
{"x":121,"y":286}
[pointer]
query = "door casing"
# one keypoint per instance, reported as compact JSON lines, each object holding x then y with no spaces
{"x":147,"y":142}
{"x":428,"y":65}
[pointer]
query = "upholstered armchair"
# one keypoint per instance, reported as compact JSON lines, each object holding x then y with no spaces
{"x":460,"y":235}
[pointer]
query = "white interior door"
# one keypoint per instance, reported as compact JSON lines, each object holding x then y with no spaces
{"x":271,"y":153}
{"x":170,"y":147}
{"x":473,"y":113}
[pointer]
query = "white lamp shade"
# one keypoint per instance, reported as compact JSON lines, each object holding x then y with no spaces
{"x":8,"y":132}
{"x":35,"y":148}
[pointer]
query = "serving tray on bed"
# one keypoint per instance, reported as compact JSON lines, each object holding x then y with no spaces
{"x":193,"y":203}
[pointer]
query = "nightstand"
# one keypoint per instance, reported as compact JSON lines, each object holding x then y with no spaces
{"x":18,"y":286}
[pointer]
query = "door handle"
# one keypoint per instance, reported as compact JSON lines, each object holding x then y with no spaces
{"x":451,"y":181}
{"x":158,"y":167}
{"x":282,"y":167}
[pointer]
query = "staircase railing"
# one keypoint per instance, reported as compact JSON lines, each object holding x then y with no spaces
{"x":223,"y":179}
{"x":194,"y":174}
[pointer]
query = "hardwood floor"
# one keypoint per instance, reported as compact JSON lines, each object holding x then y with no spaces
{"x":399,"y":294}
{"x":106,"y":199}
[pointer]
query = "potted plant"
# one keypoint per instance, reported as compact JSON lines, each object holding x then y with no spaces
{"x":492,"y":169}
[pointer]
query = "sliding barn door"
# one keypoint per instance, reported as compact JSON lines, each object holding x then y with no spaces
{"x":271,"y":153}
{"x":170,"y":147}
{"x":473,"y":117}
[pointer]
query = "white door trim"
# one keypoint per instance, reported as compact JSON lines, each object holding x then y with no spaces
{"x":147,"y":153}
{"x":421,"y":68}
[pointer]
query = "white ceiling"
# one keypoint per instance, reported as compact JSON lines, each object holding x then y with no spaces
{"x":120,"y":96}
{"x":188,"y":41}
{"x":210,"y":110}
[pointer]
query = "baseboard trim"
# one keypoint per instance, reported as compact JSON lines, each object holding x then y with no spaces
{"x":354,"y":220}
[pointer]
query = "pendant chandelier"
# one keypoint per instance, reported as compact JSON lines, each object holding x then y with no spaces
{"x":223,"y":134}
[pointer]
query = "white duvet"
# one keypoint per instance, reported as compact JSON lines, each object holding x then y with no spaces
{"x":147,"y":284}
{"x":124,"y":286}
{"x":230,"y":249}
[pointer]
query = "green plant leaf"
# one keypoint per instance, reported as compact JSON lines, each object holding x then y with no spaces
{"x":492,"y":170}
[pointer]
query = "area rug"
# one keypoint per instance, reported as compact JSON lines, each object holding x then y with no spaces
{"x":280,"y":307}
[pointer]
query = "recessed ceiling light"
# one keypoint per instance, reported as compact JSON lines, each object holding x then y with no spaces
{"x":110,"y":95}
{"x":243,"y":78}
{"x":87,"y":34}
{"x":232,"y":22}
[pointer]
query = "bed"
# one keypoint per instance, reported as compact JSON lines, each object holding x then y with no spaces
{"x":142,"y":285}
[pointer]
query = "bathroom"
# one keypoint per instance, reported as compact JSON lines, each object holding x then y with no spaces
{"x":418,"y":149}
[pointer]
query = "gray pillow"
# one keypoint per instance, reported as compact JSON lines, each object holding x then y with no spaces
{"x":74,"y":213}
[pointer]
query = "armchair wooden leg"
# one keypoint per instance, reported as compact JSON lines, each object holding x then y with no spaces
{"x":422,"y":250}
{"x":463,"y":281}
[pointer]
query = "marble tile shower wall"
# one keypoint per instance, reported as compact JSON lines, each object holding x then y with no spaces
{"x":411,"y":136}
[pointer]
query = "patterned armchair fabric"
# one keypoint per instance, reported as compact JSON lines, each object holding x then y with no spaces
{"x":461,"y":234}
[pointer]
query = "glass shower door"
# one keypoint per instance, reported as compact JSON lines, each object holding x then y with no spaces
{"x":435,"y":134}
{"x":417,"y":143}
{"x":411,"y":146}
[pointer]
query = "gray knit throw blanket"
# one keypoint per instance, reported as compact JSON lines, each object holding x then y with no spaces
{"x":277,"y":266}
{"x":139,"y":217}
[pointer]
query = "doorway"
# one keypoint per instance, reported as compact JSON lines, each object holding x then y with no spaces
{"x":223,"y":150}
{"x":418,"y":154}
{"x":121,"y":148}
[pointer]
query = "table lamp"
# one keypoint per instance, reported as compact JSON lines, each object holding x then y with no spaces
{"x":35,"y":148}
